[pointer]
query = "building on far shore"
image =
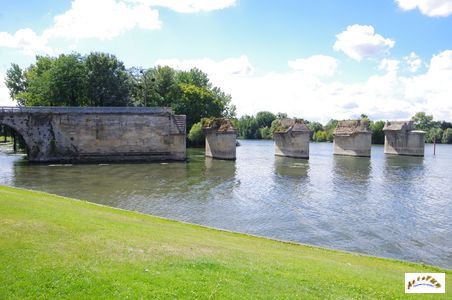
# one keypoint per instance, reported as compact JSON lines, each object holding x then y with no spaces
{"x":402,"y":139}
{"x":221,"y":138}
{"x":291,"y":138}
{"x":352,"y":138}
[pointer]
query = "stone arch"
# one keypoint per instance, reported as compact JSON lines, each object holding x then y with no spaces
{"x":19,"y":131}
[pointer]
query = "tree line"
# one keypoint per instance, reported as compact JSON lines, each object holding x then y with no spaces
{"x":101,"y":79}
{"x":262,"y":126}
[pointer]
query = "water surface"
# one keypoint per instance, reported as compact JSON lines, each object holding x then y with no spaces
{"x":390,"y":206}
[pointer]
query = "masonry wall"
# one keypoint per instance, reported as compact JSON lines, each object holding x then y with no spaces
{"x":221,"y":145}
{"x":99,"y":137}
{"x":357,"y":144}
{"x":292,"y":144}
{"x":400,"y":143}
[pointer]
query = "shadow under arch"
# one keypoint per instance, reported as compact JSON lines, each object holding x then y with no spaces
{"x":22,"y":137}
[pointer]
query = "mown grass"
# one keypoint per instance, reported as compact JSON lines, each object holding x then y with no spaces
{"x":55,"y":247}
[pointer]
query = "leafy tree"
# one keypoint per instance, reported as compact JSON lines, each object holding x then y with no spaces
{"x":447,"y":136}
{"x":195,"y":77}
{"x":434,"y":135}
{"x":15,"y":82}
{"x":314,"y":127}
{"x":329,"y":129}
{"x":378,"y":136}
{"x":265,"y":133}
{"x":281,"y":115}
{"x":320,"y":136}
{"x":265,"y":119}
{"x":37,"y":83}
{"x":248,"y":127}
{"x":66,"y":81}
{"x":107,"y":81}
{"x":196,"y":135}
{"x":422,"y":121}
{"x":197,"y":103}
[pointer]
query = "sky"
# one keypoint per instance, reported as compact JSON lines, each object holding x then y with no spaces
{"x":315,"y":60}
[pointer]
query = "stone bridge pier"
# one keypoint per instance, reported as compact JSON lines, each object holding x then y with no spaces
{"x":95,"y":134}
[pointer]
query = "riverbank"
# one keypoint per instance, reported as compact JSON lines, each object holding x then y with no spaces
{"x":56,"y":247}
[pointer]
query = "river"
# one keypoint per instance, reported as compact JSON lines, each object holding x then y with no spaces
{"x":390,"y":206}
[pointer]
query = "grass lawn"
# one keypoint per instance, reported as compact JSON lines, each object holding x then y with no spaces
{"x":55,"y":247}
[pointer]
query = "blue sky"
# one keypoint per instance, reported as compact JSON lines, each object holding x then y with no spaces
{"x":311,"y":59}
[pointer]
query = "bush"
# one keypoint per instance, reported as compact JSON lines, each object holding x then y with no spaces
{"x":196,"y":137}
{"x":447,"y":136}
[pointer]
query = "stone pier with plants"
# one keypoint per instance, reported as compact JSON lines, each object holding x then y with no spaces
{"x":402,"y":139}
{"x":352,"y":138}
{"x":221,"y":138}
{"x":291,"y":138}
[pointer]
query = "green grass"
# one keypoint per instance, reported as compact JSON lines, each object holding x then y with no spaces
{"x":55,"y":247}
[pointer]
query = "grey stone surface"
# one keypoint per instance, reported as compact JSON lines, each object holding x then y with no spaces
{"x":352,"y":138}
{"x":98,"y":134}
{"x":292,"y":139}
{"x":221,"y":139}
{"x":401,"y":139}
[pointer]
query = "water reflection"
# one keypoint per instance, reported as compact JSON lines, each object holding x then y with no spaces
{"x":291,"y":167}
{"x":352,"y":169}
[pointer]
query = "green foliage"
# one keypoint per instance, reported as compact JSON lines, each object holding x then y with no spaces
{"x":447,"y":136}
{"x":422,"y":121}
{"x":434,"y":135}
{"x":248,"y":127}
{"x":314,"y":127}
{"x":265,"y":133}
{"x":107,"y":81}
{"x":196,"y":135}
{"x":378,"y":136}
{"x":265,"y":119}
{"x":320,"y":136}
{"x":15,"y":82}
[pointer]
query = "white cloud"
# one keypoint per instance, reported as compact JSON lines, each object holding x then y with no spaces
{"x":361,"y":41}
{"x":413,"y":61}
{"x":217,"y":70}
{"x":102,"y":19}
{"x":388,"y":96}
{"x":26,"y":40}
{"x":317,"y":65}
{"x":5,"y":100}
{"x":431,"y":8}
{"x":190,"y":6}
{"x":389,"y":65}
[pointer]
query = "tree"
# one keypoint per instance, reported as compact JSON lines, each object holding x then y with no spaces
{"x":248,"y":127}
{"x":378,"y":136}
{"x":329,"y":129}
{"x":265,"y":119}
{"x":197,"y":103}
{"x":434,"y":135}
{"x":314,"y":127}
{"x":107,"y":81}
{"x":422,"y":121}
{"x":447,"y":136}
{"x":67,"y":80}
{"x":15,"y":82}
{"x":196,"y":136}
{"x":37,"y":83}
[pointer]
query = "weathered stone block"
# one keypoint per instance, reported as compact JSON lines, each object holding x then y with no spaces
{"x":221,"y":138}
{"x":291,"y":138}
{"x":352,"y":138}
{"x":401,"y":139}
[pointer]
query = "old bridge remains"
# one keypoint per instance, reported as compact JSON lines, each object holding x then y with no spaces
{"x":96,"y":134}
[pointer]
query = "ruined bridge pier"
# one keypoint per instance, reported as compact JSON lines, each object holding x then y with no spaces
{"x":98,"y":134}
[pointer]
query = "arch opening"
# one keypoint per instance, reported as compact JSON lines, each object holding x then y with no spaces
{"x":10,"y":135}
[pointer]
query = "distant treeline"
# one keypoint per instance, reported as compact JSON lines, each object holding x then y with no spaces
{"x":261,"y":126}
